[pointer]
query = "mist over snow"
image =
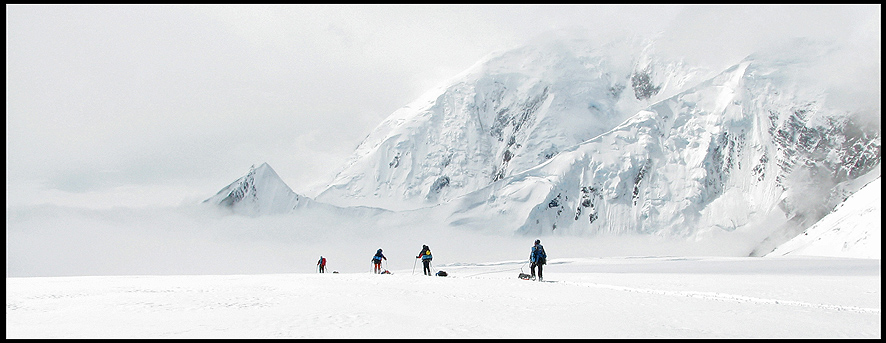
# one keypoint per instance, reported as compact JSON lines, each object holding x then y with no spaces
{"x":202,"y":271}
{"x":605,"y":146}
{"x":198,"y":239}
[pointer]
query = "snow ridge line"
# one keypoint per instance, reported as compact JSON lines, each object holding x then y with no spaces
{"x":729,"y":297}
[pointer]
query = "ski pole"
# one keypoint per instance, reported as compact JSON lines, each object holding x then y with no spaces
{"x":413,"y":265}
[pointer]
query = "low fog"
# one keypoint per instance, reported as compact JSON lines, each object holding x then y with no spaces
{"x":64,"y":241}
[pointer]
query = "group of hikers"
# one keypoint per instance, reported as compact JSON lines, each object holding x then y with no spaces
{"x":424,"y":255}
{"x":537,"y":258}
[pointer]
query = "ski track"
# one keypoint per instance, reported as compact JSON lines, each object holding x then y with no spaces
{"x":714,"y":296}
{"x":723,"y":297}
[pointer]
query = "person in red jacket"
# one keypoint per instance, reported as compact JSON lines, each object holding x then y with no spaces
{"x":376,"y":261}
{"x":322,"y":264}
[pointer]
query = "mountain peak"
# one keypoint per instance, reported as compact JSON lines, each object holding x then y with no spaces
{"x":260,"y":191}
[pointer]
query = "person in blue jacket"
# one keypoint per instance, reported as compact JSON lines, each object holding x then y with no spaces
{"x":321,"y":264}
{"x":376,"y":261}
{"x":537,"y":258}
{"x":426,"y":258}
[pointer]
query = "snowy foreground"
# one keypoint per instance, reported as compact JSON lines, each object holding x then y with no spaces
{"x":618,"y":297}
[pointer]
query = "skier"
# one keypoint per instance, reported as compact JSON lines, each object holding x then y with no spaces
{"x":322,"y":264}
{"x":376,"y":261}
{"x":426,"y":258}
{"x":537,"y":259}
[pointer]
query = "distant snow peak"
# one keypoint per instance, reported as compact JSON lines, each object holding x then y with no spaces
{"x":260,"y":191}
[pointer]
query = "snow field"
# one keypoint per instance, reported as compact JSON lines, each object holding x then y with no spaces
{"x":642,"y":297}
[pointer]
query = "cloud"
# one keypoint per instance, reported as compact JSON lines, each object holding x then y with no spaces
{"x":54,"y":240}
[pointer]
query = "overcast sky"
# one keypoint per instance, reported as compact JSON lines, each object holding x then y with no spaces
{"x":132,"y":105}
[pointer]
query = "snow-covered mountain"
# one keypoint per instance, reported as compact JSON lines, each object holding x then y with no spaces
{"x":260,"y":191}
{"x":750,"y":150}
{"x":506,"y":114}
{"x":569,"y":137}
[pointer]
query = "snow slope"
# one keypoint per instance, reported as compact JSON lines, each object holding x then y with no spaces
{"x":853,"y":229}
{"x":631,"y":297}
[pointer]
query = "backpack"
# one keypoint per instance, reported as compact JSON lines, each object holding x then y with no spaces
{"x":538,"y":254}
{"x":442,"y":273}
{"x":542,"y":257}
{"x":427,"y":255}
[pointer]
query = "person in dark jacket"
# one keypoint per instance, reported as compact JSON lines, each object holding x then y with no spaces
{"x":426,"y":258}
{"x":376,"y":261}
{"x":537,"y":258}
{"x":321,"y":264}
